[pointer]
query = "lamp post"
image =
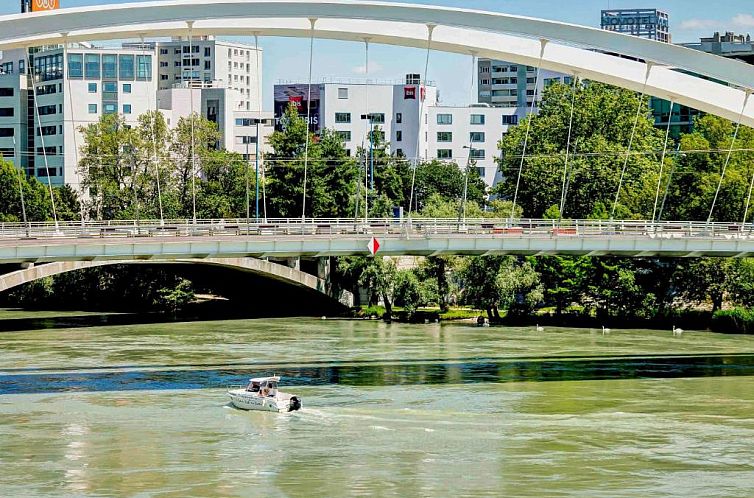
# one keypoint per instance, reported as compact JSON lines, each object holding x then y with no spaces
{"x":370,"y":120}
{"x":256,"y":122}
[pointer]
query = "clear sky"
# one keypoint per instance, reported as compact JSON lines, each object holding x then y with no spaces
{"x":286,"y":59}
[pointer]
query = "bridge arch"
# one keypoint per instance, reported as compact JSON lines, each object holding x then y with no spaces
{"x":268,"y":269}
{"x":580,"y":50}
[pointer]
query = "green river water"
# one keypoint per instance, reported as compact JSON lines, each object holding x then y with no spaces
{"x":389,"y":410}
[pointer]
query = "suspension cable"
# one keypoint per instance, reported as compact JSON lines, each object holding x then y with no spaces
{"x":369,"y":128}
{"x":422,"y":98}
{"x":191,"y":100}
{"x":568,"y":147}
{"x":748,"y":201}
{"x":312,"y":21}
{"x":257,"y":154}
{"x":543,"y":43}
{"x":41,"y":135}
{"x":468,"y":159}
{"x":662,"y":159}
{"x":155,"y":161}
{"x":639,"y":107}
{"x":73,"y":127}
{"x":20,"y":185}
{"x":730,"y":153}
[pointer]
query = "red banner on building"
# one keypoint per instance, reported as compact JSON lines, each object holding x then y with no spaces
{"x":409,"y":92}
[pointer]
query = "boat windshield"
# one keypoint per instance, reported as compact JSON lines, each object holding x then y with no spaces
{"x":253,"y":387}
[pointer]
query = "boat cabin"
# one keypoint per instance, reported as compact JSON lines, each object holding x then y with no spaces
{"x":264,"y":386}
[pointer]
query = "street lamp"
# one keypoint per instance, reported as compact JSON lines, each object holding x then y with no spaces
{"x":256,"y":122}
{"x":370,"y":118}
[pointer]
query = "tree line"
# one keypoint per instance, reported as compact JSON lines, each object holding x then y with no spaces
{"x":611,"y":164}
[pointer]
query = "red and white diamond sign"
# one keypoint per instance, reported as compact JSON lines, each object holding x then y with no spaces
{"x":373,"y":246}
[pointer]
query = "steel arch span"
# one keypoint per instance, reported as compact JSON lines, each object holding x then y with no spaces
{"x":671,"y":72}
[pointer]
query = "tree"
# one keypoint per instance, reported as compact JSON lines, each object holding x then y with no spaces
{"x":602,"y":124}
{"x":378,"y":277}
{"x":411,"y":292}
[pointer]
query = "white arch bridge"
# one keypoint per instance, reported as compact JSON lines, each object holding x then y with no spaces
{"x":663,"y":70}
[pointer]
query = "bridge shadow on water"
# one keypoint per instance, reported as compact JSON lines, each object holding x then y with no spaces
{"x":387,"y":373}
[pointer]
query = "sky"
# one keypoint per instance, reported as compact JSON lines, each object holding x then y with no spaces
{"x":286,"y":58}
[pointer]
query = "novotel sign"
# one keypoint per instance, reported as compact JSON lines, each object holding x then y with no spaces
{"x":625,"y":20}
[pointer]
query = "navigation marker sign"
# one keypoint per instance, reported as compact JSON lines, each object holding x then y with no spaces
{"x":373,"y":246}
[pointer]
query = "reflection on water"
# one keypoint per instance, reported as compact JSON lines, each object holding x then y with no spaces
{"x":388,"y":411}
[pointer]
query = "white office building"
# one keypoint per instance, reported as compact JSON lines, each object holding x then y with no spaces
{"x":72,"y":88}
{"x":428,"y":130}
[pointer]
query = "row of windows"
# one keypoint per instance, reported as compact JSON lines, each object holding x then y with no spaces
{"x":376,"y":117}
{"x":474,"y":136}
{"x":123,"y":66}
{"x":110,"y":108}
{"x":109,"y":87}
{"x":475,"y":119}
{"x":448,"y":154}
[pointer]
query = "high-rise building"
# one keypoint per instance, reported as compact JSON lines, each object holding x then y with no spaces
{"x":652,"y":24}
{"x":504,"y":84}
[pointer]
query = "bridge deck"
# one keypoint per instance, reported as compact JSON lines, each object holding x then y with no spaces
{"x":152,"y":240}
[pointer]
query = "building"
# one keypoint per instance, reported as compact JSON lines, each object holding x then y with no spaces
{"x":652,"y":24}
{"x":75,"y":87}
{"x":504,"y":84}
{"x":726,"y":45}
{"x":464,"y":135}
{"x":235,"y":66}
{"x":72,"y":88}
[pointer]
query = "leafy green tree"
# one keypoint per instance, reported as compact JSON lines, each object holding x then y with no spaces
{"x":378,"y":277}
{"x":602,"y":124}
{"x":411,"y":292}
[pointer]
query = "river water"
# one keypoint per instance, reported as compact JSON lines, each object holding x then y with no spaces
{"x":389,"y":410}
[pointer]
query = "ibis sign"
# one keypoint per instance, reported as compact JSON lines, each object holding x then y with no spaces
{"x":40,"y":5}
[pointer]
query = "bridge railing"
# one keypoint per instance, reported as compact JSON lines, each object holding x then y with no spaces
{"x":386,"y":227}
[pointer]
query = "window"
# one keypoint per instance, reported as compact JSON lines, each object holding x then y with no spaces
{"x":91,"y":66}
{"x":126,"y":108}
{"x":444,"y":136}
{"x":444,"y":153}
{"x":126,"y":67}
{"x":6,"y":112}
{"x":110,"y":87}
{"x":46,"y":89}
{"x":92,"y":87}
{"x":109,"y":108}
{"x":485,"y":81}
{"x":6,"y":132}
{"x":399,"y":136}
{"x":485,"y":69}
{"x":207,"y":51}
{"x":207,"y":64}
{"x":342,"y":117}
{"x":144,"y":67}
{"x":46,"y":110}
{"x":48,"y":67}
{"x":344,"y":135}
{"x":476,"y":136}
{"x":163,"y":77}
{"x":126,"y":87}
{"x":109,"y":66}
{"x":92,"y":108}
{"x":163,"y":51}
{"x":477,"y":119}
{"x":399,"y":152}
{"x":177,"y":64}
{"x":46,"y":131}
{"x":481,"y":171}
{"x":21,"y":66}
{"x":510,"y":120}
{"x":444,"y":119}
{"x":378,"y":118}
{"x":342,"y":93}
{"x":164,"y":64}
{"x":6,"y":92}
{"x":399,"y":117}
{"x":75,"y":65}
{"x":477,"y":154}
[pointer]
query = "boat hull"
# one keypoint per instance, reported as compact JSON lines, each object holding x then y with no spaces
{"x":244,"y":400}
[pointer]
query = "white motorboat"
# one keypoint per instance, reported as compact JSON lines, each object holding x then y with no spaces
{"x":262,"y":394}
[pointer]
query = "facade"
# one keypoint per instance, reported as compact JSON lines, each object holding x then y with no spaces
{"x":467,"y":136}
{"x":728,"y":45}
{"x":233,"y":65}
{"x":504,"y":84}
{"x":652,"y":24}
{"x":72,"y":88}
